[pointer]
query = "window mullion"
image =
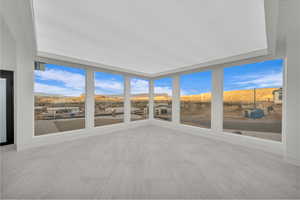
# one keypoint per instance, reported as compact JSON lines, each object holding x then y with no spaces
{"x":90,"y":102}
{"x":217,"y":100}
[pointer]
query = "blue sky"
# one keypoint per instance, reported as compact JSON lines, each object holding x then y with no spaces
{"x":139,"y":86}
{"x":109,"y":84}
{"x":60,"y":80}
{"x":163,"y":85}
{"x":195,"y":83}
{"x":267,"y":74}
{"x":70,"y":81}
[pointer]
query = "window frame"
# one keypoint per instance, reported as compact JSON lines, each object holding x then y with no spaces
{"x":94,"y":89}
{"x":172,"y":98}
{"x":217,"y":96}
{"x":211,"y":101}
{"x":283,"y":118}
{"x":65,"y":64}
{"x":149,"y":98}
{"x":88,"y":91}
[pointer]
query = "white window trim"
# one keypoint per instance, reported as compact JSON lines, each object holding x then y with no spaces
{"x":127,"y":102}
{"x":90,"y":100}
{"x":174,"y":85}
{"x":151,"y":99}
{"x":149,"y":93}
{"x":217,"y":98}
{"x":176,"y":99}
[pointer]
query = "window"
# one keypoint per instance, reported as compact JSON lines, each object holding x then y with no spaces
{"x":139,"y":99}
{"x":195,"y":99}
{"x":163,"y":99}
{"x":109,"y":98}
{"x":59,"y":98}
{"x":253,"y":99}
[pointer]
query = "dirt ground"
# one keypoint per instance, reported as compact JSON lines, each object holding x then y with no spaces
{"x":266,"y":128}
{"x":43,"y":127}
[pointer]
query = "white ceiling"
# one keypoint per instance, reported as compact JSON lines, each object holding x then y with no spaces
{"x":150,"y":36}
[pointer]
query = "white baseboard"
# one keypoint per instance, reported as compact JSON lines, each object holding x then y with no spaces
{"x":250,"y":142}
{"x":8,"y":147}
{"x":292,"y":160}
{"x":49,"y":139}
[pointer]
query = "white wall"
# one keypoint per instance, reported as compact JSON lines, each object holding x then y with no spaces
{"x":7,"y":47}
{"x":16,"y":14}
{"x":16,"y":18}
{"x":18,"y":52}
{"x":290,"y":12}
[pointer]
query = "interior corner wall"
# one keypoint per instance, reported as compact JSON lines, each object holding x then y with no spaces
{"x":7,"y":47}
{"x":18,"y":54}
{"x":292,"y":123}
{"x":8,"y":53}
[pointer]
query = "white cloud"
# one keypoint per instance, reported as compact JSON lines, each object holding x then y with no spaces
{"x":70,"y":84}
{"x":188,"y":92}
{"x":51,"y":89}
{"x":260,"y":80}
{"x":69,"y":79}
{"x":142,"y":86}
{"x":139,"y":86}
{"x":163,"y":90}
{"x":183,"y":92}
{"x":73,"y":84}
{"x":108,"y":87}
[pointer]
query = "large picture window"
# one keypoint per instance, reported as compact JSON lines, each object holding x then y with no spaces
{"x":253,"y":99}
{"x":195,"y":99}
{"x":163,"y":99}
{"x":109,"y":98}
{"x":139,"y":99}
{"x":59,"y":98}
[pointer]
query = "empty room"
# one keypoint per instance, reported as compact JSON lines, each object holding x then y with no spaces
{"x":149,"y":99}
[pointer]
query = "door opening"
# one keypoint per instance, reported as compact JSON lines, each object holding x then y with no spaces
{"x":6,"y":107}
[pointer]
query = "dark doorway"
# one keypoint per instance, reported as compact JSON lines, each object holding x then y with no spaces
{"x":6,"y":107}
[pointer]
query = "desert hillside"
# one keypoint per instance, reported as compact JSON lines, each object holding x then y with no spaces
{"x":262,"y":94}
